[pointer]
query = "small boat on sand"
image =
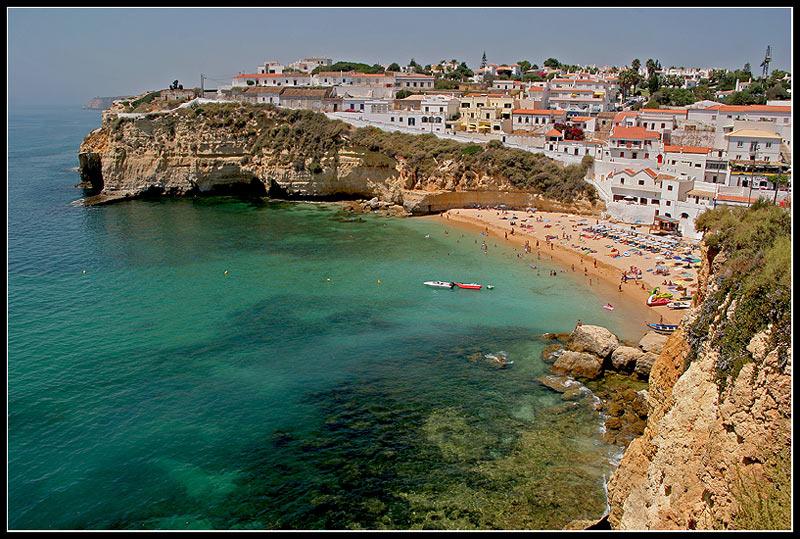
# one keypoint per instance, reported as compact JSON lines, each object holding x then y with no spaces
{"x":473,"y":286}
{"x":679,"y":304}
{"x":664,"y":329}
{"x":654,"y":301}
{"x":439,"y":284}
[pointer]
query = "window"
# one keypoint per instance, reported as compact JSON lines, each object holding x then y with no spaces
{"x":641,"y":182}
{"x":669,"y":204}
{"x":739,"y":144}
{"x":669,"y":188}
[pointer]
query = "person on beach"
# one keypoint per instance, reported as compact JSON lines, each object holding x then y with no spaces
{"x":578,"y":324}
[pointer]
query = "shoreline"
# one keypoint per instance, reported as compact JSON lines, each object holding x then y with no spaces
{"x":604,"y":271}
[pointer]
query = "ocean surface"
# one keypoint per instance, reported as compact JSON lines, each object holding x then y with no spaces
{"x":224,"y":363}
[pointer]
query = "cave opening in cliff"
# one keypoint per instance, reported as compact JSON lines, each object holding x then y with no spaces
{"x":254,"y":188}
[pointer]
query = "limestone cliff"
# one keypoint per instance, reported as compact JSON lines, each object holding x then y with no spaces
{"x":272,"y":152}
{"x":706,"y":444}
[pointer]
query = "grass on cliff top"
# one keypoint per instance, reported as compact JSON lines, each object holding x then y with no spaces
{"x":754,"y":284}
{"x":765,"y":503}
{"x":306,"y":136}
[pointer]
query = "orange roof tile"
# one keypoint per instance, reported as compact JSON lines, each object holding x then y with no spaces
{"x":750,"y":108}
{"x":538,"y":111}
{"x":554,"y":133}
{"x":633,"y":133}
{"x":687,"y":149}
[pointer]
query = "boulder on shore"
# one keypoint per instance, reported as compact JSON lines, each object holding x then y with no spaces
{"x":595,"y":340}
{"x":578,"y":364}
{"x":644,"y":364}
{"x":624,"y":358}
{"x":653,"y":342}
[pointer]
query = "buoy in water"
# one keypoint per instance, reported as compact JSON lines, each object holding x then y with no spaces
{"x":84,"y":272}
{"x":226,"y":272}
{"x":379,"y":281}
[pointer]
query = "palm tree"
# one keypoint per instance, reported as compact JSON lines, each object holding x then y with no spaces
{"x":628,"y":79}
{"x":636,"y":64}
{"x":650,"y":66}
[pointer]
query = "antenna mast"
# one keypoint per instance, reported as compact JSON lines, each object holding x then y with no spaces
{"x":767,"y":60}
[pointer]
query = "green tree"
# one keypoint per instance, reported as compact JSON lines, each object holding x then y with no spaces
{"x":628,"y":80}
{"x":394,"y":66}
{"x":552,"y":63}
{"x":636,"y":64}
{"x":483,"y":60}
{"x":524,"y":65}
{"x":654,"y":83}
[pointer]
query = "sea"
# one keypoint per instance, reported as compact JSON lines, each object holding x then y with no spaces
{"x":224,"y":363}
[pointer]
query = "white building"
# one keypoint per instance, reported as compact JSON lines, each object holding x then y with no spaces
{"x":633,"y":143}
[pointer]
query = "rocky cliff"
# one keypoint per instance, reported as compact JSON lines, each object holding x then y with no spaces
{"x":265,"y":151}
{"x":714,"y":452}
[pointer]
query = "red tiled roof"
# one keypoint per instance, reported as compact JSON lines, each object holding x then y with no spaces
{"x":687,"y":149}
{"x":622,"y":115}
{"x":554,"y":133}
{"x":272,"y":75}
{"x":538,"y":111}
{"x":665,"y":111}
{"x":633,"y":133}
{"x":750,"y":108}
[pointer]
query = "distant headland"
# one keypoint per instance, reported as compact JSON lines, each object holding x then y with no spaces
{"x":102,"y":102}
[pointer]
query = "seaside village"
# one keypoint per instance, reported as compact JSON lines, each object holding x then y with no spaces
{"x":659,"y":167}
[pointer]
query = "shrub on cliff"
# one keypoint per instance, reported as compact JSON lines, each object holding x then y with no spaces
{"x":303,"y":135}
{"x":524,"y":170}
{"x":754,"y":284}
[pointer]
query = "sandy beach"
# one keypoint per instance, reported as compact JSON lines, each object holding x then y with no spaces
{"x":585,"y":253}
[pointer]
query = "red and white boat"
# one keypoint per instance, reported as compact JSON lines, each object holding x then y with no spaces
{"x":472,"y":286}
{"x":654,"y":301}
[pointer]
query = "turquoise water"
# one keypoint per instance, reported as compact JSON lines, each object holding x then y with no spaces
{"x":315,"y":385}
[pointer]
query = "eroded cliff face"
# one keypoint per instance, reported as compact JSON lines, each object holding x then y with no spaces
{"x":699,"y":440}
{"x":189,"y":152}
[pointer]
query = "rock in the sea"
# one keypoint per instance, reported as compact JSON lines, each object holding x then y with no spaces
{"x":593,"y":339}
{"x":557,"y":383}
{"x":624,"y":358}
{"x":653,"y":342}
{"x":578,"y":364}
{"x":551,"y":353}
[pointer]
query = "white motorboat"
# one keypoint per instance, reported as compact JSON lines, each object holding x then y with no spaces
{"x":439,"y":284}
{"x":679,"y":304}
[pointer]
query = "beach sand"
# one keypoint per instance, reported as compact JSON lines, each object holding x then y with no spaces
{"x":603,"y":270}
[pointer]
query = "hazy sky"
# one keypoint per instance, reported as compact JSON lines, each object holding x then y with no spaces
{"x":69,"y":55}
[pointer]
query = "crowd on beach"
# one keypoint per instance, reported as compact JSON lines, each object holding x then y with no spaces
{"x":600,"y":250}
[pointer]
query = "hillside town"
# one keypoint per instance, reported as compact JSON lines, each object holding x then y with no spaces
{"x":655,"y":164}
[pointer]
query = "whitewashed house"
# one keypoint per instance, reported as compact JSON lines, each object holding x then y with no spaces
{"x":633,"y":143}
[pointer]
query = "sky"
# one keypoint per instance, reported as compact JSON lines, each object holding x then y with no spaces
{"x":69,"y":55}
